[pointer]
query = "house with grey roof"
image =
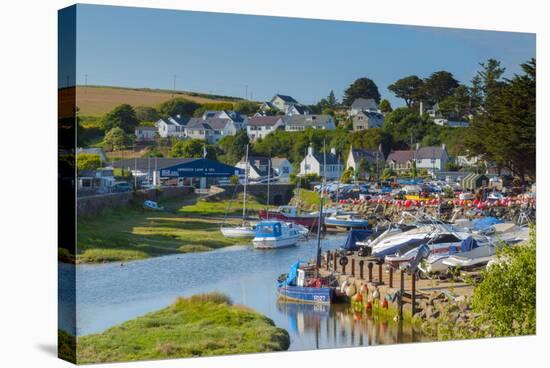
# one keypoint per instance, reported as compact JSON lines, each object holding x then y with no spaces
{"x":367,"y":120}
{"x":298,"y":123}
{"x":211,"y":130}
{"x":363,"y":104}
{"x":279,"y":103}
{"x":313,"y":164}
{"x":172,"y":126}
{"x":145,"y":133}
{"x":401,"y":161}
{"x":282,"y":168}
{"x":432,"y":158}
{"x":298,"y":109}
{"x":374,"y":158}
{"x":238,"y":119}
{"x":261,"y":126}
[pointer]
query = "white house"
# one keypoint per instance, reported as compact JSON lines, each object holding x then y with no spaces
{"x":260,"y":126}
{"x":375,"y":158}
{"x":433,"y":158}
{"x":145,"y":133}
{"x":172,"y":126}
{"x":281,"y":168}
{"x":91,"y":180}
{"x":257,"y":166}
{"x":298,"y":109}
{"x":313,"y":164}
{"x":239,"y":120}
{"x":212,"y":129}
{"x":363,"y":104}
{"x":301,"y":122}
{"x":281,"y":103}
{"x":367,"y":120}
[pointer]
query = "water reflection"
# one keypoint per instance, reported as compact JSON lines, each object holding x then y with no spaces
{"x":338,"y":325}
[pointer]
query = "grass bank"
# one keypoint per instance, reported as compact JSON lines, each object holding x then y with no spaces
{"x":133,"y":233}
{"x":307,"y":199}
{"x":202,"y":325}
{"x":217,"y":207}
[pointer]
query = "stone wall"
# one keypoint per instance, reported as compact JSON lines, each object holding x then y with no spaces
{"x":279,"y":194}
{"x":94,"y":205}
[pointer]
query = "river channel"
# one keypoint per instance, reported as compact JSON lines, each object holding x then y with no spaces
{"x":108,"y":294}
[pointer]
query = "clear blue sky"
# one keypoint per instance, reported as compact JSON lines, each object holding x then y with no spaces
{"x":222,"y":53}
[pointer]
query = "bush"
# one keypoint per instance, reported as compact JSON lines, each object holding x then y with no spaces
{"x":234,"y":180}
{"x":87,"y":161}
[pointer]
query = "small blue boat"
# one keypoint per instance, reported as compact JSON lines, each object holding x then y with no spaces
{"x":289,"y":289}
{"x":347,"y":220}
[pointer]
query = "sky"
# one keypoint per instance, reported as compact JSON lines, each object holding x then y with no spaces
{"x":258,"y":56}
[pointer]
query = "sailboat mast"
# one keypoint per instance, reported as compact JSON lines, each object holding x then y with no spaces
{"x":245,"y":181}
{"x":320,"y":221}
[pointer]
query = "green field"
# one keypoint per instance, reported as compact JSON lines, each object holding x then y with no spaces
{"x":202,"y":325}
{"x":133,"y":233}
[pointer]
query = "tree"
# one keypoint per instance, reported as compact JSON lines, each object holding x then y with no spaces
{"x":361,"y":88}
{"x":88,"y":161}
{"x":117,"y":139}
{"x":363,"y":168}
{"x":122,"y":116}
{"x":332,"y":102}
{"x":146,"y":113}
{"x":372,"y":139}
{"x":456,"y":106}
{"x":388,"y":173}
{"x":234,"y":146}
{"x":347,"y":176}
{"x":385,"y":106}
{"x":438,"y":86}
{"x":504,"y":132}
{"x":190,"y":148}
{"x":407,"y":88}
{"x":406,"y":127}
{"x":246,"y":107}
{"x":177,"y":106}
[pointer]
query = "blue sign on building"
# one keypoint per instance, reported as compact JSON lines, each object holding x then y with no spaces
{"x":200,"y":168}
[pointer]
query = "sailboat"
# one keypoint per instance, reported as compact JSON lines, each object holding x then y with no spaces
{"x":245,"y":230}
{"x":303,"y":284}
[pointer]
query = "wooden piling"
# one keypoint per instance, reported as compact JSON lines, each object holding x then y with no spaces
{"x":361,"y":264}
{"x":391,"y":276}
{"x":401,"y":291}
{"x":370,"y":265}
{"x":328,"y":260}
{"x":380,"y":273}
{"x":335,"y":262}
{"x":413,"y":293}
{"x":353,"y":267}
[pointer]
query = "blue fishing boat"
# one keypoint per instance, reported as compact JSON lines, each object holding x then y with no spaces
{"x":293,"y":288}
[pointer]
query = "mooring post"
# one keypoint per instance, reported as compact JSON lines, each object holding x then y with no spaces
{"x":401,"y":291}
{"x":380,"y":272}
{"x":335,"y":261}
{"x":361,"y":264}
{"x":370,"y":265}
{"x":391,"y":276}
{"x":413,"y":293}
{"x":344,"y":268}
{"x":328,"y":260}
{"x":353,"y":267}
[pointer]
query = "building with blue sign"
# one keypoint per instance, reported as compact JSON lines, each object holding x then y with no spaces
{"x":179,"y":171}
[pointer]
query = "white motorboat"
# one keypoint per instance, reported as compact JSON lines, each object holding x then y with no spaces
{"x":275,"y":234}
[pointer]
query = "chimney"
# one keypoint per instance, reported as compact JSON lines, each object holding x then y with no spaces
{"x":310,"y":151}
{"x":333,"y":151}
{"x":443,"y":146}
{"x":417,"y":146}
{"x":421,"y":108}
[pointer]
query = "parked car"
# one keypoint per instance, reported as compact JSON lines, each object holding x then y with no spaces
{"x":122,"y":186}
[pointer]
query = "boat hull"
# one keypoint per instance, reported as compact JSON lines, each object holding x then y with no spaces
{"x":322,"y":295}
{"x":346,"y":223}
{"x":238,"y":232}
{"x":275,"y":242}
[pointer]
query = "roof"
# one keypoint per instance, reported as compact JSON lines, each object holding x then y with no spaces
{"x":207,"y":124}
{"x":332,"y":159}
{"x":370,"y":155}
{"x":301,"y":109}
{"x":174,"y":120}
{"x":276,"y":161}
{"x":364,"y":104}
{"x":309,"y":120}
{"x":285,"y":98}
{"x":146,"y":164}
{"x":256,"y":161}
{"x":430,"y":152}
{"x":401,"y":156}
{"x":233,"y":115}
{"x":263,"y":120}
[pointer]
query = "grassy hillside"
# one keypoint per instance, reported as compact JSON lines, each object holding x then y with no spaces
{"x":202,"y":325}
{"x":98,"y":100}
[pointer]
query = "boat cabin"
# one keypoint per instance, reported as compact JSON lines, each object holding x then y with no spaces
{"x":269,"y":229}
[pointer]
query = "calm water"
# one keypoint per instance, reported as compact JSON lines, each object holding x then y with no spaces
{"x":109,"y":294}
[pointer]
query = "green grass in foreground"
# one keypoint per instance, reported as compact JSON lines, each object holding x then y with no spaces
{"x":202,"y":325}
{"x":216,"y":207}
{"x":131,"y":233}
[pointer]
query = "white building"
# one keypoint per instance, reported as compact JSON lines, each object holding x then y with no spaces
{"x":281,"y":168}
{"x":433,"y":158}
{"x":363,"y":104}
{"x":260,"y":126}
{"x":298,"y":123}
{"x":146,"y":133}
{"x":313,"y":164}
{"x":172,"y":126}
